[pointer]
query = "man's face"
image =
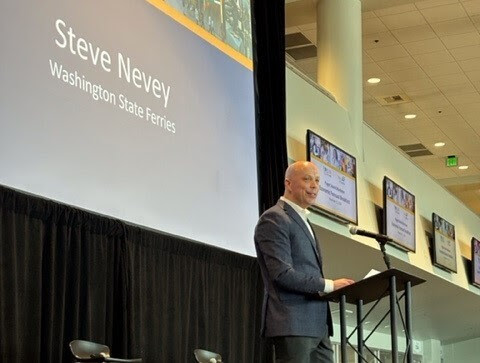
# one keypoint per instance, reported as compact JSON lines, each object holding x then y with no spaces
{"x":302,"y":186}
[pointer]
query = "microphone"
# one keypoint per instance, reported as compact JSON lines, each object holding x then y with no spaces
{"x":381,"y":239}
{"x":378,"y":236}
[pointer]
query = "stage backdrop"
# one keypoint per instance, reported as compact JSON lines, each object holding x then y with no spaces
{"x":134,"y":111}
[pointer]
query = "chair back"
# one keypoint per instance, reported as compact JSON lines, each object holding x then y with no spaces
{"x":85,"y":350}
{"x":204,"y":356}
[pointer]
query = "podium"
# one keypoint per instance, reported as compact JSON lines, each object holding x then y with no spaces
{"x":387,"y":283}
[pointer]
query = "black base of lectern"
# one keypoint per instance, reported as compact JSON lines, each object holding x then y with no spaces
{"x":387,"y":283}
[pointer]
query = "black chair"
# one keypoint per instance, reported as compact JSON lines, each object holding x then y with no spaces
{"x":85,"y":351}
{"x":204,"y":356}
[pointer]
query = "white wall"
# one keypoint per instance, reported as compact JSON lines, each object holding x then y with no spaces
{"x":462,"y":352}
{"x":309,"y":108}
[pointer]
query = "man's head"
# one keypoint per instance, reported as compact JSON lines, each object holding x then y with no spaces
{"x":301,"y":183}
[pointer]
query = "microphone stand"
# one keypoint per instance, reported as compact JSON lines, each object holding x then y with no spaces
{"x":382,"y":242}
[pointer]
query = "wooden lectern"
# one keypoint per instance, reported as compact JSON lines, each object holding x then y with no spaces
{"x":387,"y":283}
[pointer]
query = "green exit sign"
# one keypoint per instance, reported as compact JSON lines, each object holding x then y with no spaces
{"x":451,"y":160}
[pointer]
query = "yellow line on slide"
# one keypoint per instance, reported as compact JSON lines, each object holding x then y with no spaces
{"x":198,"y":30}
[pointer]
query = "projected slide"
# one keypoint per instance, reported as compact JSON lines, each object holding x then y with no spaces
{"x":444,"y":247}
{"x":338,"y":178}
{"x":399,"y":214}
{"x":476,"y":262}
{"x":121,"y":108}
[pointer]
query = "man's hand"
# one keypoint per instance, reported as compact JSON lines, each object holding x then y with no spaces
{"x":338,"y":284}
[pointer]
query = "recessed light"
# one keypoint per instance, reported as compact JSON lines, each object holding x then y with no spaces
{"x":439,"y":144}
{"x":463,"y":167}
{"x":410,"y":116}
{"x":373,"y":80}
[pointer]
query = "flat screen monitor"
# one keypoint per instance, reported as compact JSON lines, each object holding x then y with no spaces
{"x":444,"y":247}
{"x":476,"y":262}
{"x":399,"y":214}
{"x":338,"y":178}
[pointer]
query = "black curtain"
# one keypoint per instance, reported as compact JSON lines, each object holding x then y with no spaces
{"x":268,"y":22}
{"x":208,"y":297}
{"x":67,"y":274}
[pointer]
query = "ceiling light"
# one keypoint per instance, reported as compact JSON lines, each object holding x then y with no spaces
{"x":373,"y":80}
{"x":439,"y":144}
{"x":410,"y":116}
{"x":463,"y":167}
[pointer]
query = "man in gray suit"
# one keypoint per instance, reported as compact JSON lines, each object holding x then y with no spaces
{"x":299,"y":325}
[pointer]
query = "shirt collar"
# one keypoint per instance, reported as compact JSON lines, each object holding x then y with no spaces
{"x":303,"y":212}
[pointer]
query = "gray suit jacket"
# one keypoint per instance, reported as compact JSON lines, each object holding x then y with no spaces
{"x":291,"y":267}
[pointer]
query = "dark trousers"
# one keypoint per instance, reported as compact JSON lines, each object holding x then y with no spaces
{"x":302,"y":350}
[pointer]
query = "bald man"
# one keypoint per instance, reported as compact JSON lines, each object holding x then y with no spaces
{"x":291,"y":263}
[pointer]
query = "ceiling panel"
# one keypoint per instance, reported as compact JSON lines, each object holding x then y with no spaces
{"x":452,"y":27}
{"x":384,"y":53}
{"x":470,"y":65}
{"x":427,"y":132}
{"x":367,"y":15}
{"x":473,"y":75}
{"x":366,"y":58}
{"x":372,"y":69}
{"x":444,"y":111}
{"x":461,"y":40}
{"x":417,"y":84}
{"x":458,"y":130}
{"x":435,"y":58}
{"x":476,"y":21}
{"x":443,"y":173}
{"x":403,"y":20}
{"x":443,"y":69}
{"x":404,"y":137}
{"x":424,"y":46}
{"x":397,"y":64}
{"x":449,"y":149}
{"x":374,"y":25}
{"x":404,"y":108}
{"x":384,"y":90}
{"x":466,"y":53}
{"x":451,"y":79}
{"x":444,"y":13}
{"x":378,"y":40}
{"x":407,"y":74}
{"x":431,"y":3}
{"x":470,"y":108}
{"x":460,"y":100}
{"x":414,"y":33}
{"x":395,"y":10}
{"x":472,"y":7}
{"x":457,"y":89}
{"x":428,"y":52}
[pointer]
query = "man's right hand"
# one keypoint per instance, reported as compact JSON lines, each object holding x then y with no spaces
{"x":339,"y":283}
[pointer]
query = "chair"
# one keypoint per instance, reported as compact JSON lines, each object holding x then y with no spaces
{"x":204,"y":356}
{"x":85,"y":351}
